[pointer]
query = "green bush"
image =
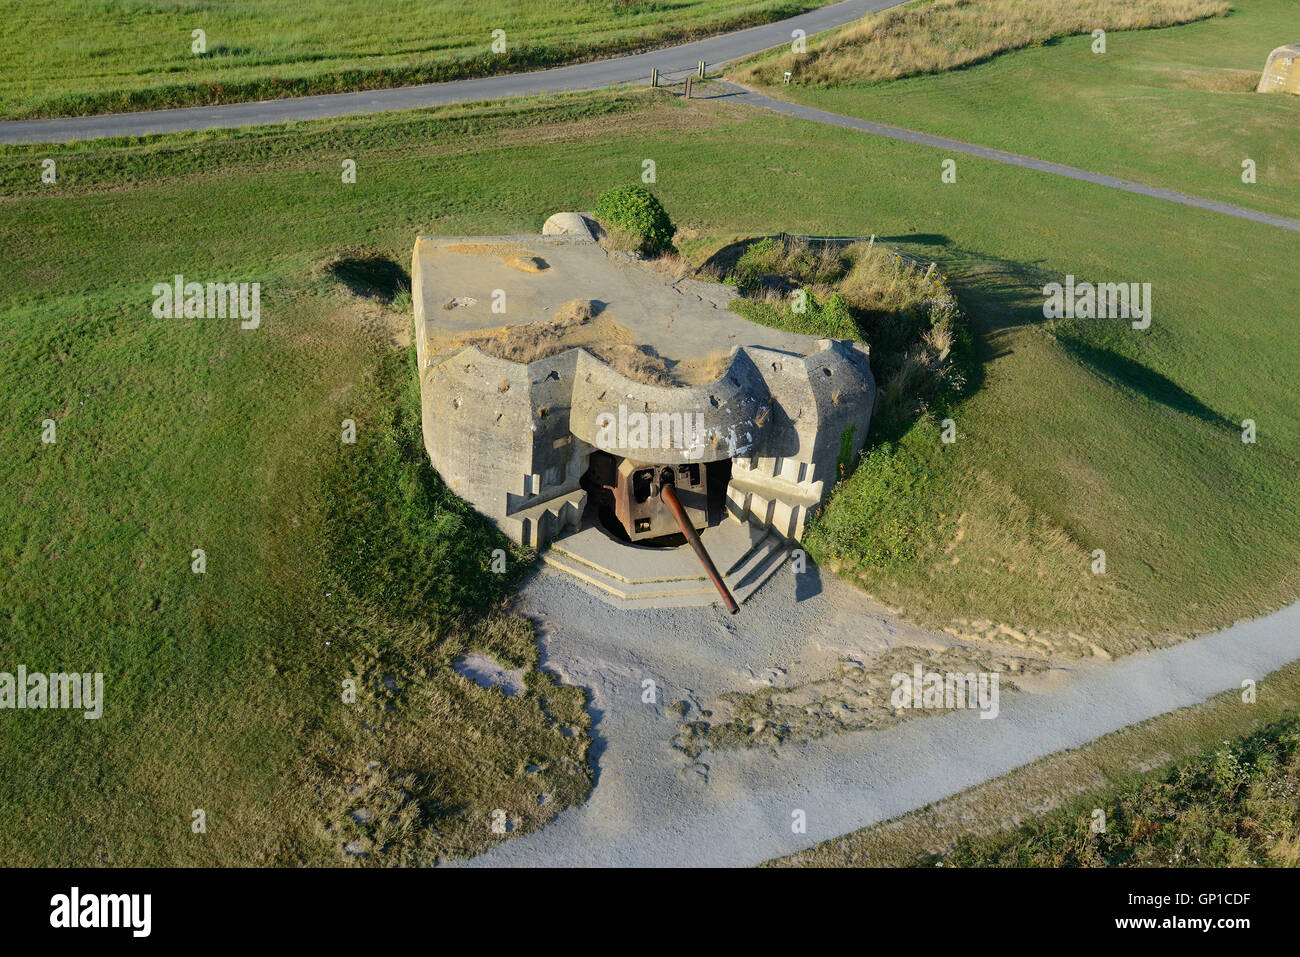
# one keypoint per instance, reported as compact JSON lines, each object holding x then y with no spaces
{"x":634,"y":210}
{"x":827,"y":319}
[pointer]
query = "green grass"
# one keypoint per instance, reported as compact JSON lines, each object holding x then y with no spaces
{"x":1172,"y":107}
{"x":221,"y":691}
{"x":1234,"y":806}
{"x":74,"y":58}
{"x":326,"y":562}
{"x":1149,"y":780}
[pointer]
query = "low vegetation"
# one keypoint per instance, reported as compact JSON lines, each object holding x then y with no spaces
{"x":1234,"y":806}
{"x":634,"y":219}
{"x":577,"y":323}
{"x":856,"y":698}
{"x":413,"y":773}
{"x":933,"y":36}
{"x":861,"y":290}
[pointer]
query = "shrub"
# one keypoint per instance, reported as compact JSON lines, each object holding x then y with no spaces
{"x":634,"y":211}
{"x":827,"y":319}
{"x":794,"y":258}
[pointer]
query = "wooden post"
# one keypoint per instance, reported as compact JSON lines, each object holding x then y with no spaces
{"x":701,"y":69}
{"x":872,"y":243}
{"x":929,"y":272}
{"x":688,"y":86}
{"x":654,"y":76}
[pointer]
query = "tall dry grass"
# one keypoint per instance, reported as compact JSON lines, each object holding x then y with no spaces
{"x":947,"y":34}
{"x":905,"y":311}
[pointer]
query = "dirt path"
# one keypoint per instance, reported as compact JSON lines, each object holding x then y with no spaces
{"x":652,"y":807}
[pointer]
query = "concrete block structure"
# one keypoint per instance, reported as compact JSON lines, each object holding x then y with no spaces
{"x":1282,"y":72}
{"x":780,"y":414}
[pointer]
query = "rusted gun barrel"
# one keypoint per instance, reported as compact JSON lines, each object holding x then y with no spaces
{"x":669,"y":495}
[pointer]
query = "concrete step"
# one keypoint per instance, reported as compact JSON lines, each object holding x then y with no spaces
{"x":688,"y":587}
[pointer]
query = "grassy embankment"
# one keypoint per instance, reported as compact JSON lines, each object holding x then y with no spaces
{"x":1169,"y":107}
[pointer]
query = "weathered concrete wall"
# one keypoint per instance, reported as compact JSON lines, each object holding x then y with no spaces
{"x":498,"y":433}
{"x":1282,"y":72}
{"x":727,"y":417}
{"x":514,"y":439}
{"x":822,"y":406}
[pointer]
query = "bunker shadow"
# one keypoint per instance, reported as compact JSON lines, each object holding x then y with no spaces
{"x":808,"y":583}
{"x":371,"y":276}
{"x":1126,"y":372}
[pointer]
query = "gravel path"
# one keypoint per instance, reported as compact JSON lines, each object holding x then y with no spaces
{"x":651,"y":807}
{"x":1002,"y":156}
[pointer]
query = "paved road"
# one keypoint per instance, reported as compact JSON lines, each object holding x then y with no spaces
{"x":672,"y":62}
{"x":649,"y":808}
{"x":1001,"y":156}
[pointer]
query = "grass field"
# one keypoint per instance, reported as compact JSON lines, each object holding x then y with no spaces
{"x":1173,"y":107}
{"x":71,"y":58}
{"x":222,"y":693}
{"x":1233,"y":806}
{"x":1150,"y":780}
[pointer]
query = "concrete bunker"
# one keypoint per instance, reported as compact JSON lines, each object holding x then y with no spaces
{"x":564,"y":422}
{"x":1282,"y":71}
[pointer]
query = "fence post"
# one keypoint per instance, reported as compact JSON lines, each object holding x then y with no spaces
{"x":654,"y":76}
{"x":701,"y":69}
{"x":929,"y":272}
{"x":688,"y":86}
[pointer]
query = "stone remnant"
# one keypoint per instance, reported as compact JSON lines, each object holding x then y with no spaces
{"x":1282,"y":72}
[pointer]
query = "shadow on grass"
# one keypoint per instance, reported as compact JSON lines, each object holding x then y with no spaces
{"x":724,"y":260}
{"x":1130,"y":374}
{"x":374,"y":277}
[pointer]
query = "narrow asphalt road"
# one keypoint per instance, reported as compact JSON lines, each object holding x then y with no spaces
{"x":672,"y":62}
{"x":1001,"y":156}
{"x":652,"y":807}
